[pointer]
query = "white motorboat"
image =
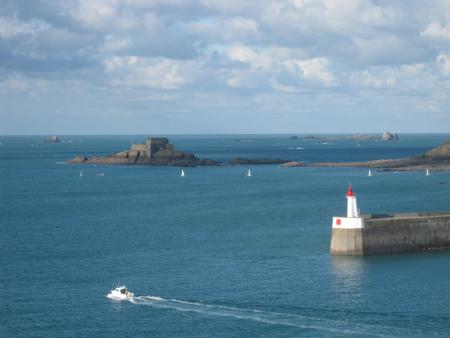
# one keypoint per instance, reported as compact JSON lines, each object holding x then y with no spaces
{"x":120,"y":293}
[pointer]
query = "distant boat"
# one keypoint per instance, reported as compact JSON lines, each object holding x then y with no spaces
{"x":249,"y":173}
{"x":81,"y":173}
{"x":120,"y":293}
{"x":427,"y":173}
{"x":369,"y":174}
{"x":182,"y":173}
{"x":101,"y":174}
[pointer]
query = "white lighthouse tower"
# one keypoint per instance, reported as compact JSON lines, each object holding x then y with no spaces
{"x":353,"y":220}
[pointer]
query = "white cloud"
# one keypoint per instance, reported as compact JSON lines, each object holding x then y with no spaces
{"x":95,"y":14}
{"x":115,"y":44}
{"x":443,"y":63}
{"x":436,"y":30}
{"x":12,"y":27}
{"x":227,"y":30}
{"x":377,"y":81}
{"x":315,"y":69}
{"x":425,"y":106}
{"x":17,"y":82}
{"x":134,"y":71}
{"x":257,"y":61}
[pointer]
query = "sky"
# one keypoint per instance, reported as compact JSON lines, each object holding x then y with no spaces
{"x":224,"y":66}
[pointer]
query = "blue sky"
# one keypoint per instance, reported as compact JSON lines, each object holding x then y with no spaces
{"x":224,"y":66}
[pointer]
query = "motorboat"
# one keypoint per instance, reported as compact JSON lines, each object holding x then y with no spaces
{"x":120,"y":293}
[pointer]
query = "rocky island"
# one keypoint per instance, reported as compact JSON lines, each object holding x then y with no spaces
{"x":437,"y":159}
{"x":387,"y":136}
{"x":256,"y":161}
{"x":155,"y":151}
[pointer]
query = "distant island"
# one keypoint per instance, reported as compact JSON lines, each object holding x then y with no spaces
{"x":387,"y":136}
{"x":52,"y":139}
{"x":155,"y":151}
{"x":158,"y":151}
{"x":437,"y":159}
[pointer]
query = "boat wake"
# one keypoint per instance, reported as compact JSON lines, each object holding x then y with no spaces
{"x":276,"y":318}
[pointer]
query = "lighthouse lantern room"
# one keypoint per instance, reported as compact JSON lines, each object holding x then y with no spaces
{"x":353,"y":220}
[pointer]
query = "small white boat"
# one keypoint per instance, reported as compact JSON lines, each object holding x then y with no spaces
{"x":427,"y":173}
{"x":369,"y":174}
{"x":100,"y":174}
{"x":81,"y":173}
{"x":182,"y":173}
{"x":120,"y":293}
{"x":249,"y":173}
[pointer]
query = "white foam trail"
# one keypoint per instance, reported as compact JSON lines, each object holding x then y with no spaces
{"x":276,"y":318}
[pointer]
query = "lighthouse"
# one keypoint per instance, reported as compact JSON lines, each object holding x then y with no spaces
{"x":353,"y":220}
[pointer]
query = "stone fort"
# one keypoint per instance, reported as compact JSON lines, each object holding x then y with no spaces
{"x":151,"y":146}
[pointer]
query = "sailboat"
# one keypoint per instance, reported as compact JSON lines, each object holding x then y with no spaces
{"x":81,"y":173}
{"x":369,"y":174}
{"x":182,"y":173}
{"x":427,"y":173}
{"x":249,"y":173}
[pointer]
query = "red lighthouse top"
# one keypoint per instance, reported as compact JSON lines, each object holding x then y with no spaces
{"x":350,"y":192}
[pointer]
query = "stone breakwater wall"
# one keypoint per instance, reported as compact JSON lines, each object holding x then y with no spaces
{"x":384,"y":234}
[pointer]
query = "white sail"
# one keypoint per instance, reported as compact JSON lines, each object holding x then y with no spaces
{"x":428,"y":173}
{"x":81,"y":173}
{"x":249,"y":173}
{"x":369,"y":174}
{"x":182,"y":173}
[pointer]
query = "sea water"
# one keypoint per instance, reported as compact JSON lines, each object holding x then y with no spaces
{"x":214,"y":253}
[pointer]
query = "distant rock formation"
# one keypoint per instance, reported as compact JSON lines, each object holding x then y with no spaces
{"x":387,"y":136}
{"x":441,"y":152}
{"x":295,"y":137}
{"x":52,"y":139}
{"x":292,"y":164}
{"x":355,"y":137}
{"x":241,"y":160}
{"x":436,"y":159}
{"x":155,"y":151}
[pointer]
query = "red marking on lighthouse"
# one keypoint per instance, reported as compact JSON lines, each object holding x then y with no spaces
{"x":350,"y":191}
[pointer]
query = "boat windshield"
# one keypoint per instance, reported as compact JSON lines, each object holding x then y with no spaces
{"x":123,"y":291}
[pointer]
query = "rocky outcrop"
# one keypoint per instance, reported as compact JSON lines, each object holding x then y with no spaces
{"x":441,"y":152}
{"x":156,"y":151}
{"x":292,"y":164}
{"x":436,"y":159}
{"x":241,"y":160}
{"x":387,"y":136}
{"x":52,"y":139}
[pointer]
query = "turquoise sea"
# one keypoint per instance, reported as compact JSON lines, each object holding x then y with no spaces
{"x":215,"y":253}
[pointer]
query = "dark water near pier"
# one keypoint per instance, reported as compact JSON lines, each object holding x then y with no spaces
{"x":213,"y":254}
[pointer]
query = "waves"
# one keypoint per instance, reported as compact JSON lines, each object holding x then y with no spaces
{"x":275,"y":318}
